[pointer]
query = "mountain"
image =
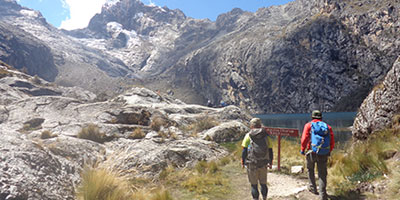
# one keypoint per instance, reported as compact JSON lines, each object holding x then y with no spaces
{"x":325,"y":54}
{"x":297,"y":57}
{"x":30,"y":42}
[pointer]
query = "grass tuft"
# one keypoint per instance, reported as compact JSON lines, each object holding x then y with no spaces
{"x":204,"y":124}
{"x":160,"y":121}
{"x":92,"y":132}
{"x":100,"y":184}
{"x":137,"y":134}
{"x":200,"y":125}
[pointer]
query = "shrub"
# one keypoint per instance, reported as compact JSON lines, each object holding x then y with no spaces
{"x":137,"y":134}
{"x":92,"y":132}
{"x":100,"y":184}
{"x":47,"y":134}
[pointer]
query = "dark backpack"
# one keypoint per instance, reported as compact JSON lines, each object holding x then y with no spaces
{"x":258,"y":149}
{"x":320,"y":138}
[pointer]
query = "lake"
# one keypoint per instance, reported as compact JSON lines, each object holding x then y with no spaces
{"x":339,"y":121}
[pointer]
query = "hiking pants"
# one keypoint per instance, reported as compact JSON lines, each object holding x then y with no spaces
{"x":258,"y":175}
{"x":321,"y":161}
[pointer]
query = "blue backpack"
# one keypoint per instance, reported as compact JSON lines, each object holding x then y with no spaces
{"x":320,"y":138}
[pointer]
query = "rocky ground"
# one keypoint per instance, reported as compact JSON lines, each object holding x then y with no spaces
{"x":43,"y":145}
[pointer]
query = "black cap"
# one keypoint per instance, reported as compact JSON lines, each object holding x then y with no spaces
{"x":316,"y":114}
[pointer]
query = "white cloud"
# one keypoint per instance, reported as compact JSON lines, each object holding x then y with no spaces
{"x":81,"y":11}
{"x":151,"y":3}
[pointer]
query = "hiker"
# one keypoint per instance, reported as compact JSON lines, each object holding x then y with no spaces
{"x":222,"y":103}
{"x":256,"y":157}
{"x":317,"y":142}
{"x":210,"y":104}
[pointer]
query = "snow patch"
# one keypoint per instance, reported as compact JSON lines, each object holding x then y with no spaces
{"x":110,"y":3}
{"x":29,"y":13}
{"x":138,"y":15}
{"x":114,"y":27}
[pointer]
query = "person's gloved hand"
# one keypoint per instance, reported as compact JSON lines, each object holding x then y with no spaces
{"x":302,"y":152}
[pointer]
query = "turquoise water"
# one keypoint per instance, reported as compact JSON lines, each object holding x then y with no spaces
{"x":339,"y":122}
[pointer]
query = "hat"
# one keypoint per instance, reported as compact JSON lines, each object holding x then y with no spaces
{"x":255,"y":123}
{"x":316,"y":114}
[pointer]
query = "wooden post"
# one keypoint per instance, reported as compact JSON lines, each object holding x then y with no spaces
{"x":279,"y":152}
{"x":281,"y":132}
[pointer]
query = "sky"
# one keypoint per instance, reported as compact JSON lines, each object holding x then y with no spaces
{"x":73,"y":14}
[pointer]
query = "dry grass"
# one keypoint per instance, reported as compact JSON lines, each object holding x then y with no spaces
{"x":206,"y":179}
{"x":394,"y":185}
{"x":152,"y":194}
{"x":158,"y":122}
{"x":4,"y":73}
{"x":290,"y":153}
{"x":167,"y":134}
{"x":362,"y":162}
{"x":108,"y":183}
{"x":137,"y":134}
{"x":101,"y":184}
{"x":92,"y":132}
{"x":200,"y":125}
{"x":204,"y":124}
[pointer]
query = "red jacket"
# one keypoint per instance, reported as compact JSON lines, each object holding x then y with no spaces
{"x":306,"y":137}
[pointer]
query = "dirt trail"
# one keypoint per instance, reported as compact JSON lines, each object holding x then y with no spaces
{"x":280,"y":186}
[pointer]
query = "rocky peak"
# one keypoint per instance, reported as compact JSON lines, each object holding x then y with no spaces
{"x":228,"y":20}
{"x":134,"y":15}
{"x":8,"y":7}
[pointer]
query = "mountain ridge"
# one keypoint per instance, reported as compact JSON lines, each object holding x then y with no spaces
{"x":264,"y":62}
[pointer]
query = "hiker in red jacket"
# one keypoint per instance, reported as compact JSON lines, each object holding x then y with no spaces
{"x":317,"y":142}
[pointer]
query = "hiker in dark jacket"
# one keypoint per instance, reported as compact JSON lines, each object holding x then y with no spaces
{"x":256,"y":157}
{"x":317,"y":142}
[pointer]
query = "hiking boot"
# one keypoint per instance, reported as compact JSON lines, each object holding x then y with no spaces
{"x":312,"y":190}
